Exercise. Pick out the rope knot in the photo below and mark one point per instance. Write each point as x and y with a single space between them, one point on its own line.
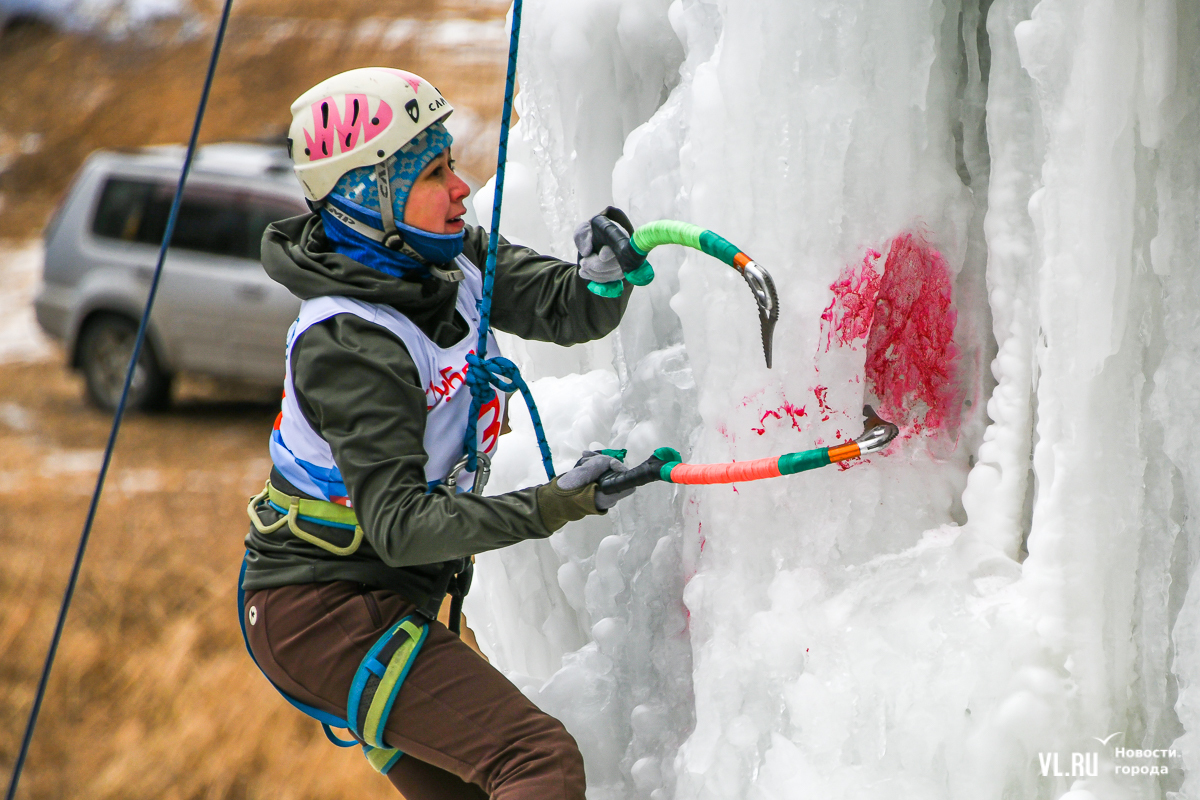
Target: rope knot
479 379
499 372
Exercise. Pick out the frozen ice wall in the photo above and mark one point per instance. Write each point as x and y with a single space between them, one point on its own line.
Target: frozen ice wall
1005 595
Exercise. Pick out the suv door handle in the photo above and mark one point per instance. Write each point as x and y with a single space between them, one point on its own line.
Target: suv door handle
144 274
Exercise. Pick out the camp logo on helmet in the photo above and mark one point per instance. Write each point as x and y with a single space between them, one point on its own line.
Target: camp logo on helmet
345 126
413 110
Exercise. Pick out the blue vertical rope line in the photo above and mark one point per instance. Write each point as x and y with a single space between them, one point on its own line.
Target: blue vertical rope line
120 413
485 373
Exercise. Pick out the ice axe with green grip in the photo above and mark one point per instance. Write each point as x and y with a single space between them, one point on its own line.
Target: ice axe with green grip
666 463
631 252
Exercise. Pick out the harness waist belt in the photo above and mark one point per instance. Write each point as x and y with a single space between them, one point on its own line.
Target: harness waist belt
295 509
315 510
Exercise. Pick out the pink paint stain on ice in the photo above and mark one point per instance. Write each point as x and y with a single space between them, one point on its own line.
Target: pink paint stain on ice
902 312
848 316
911 355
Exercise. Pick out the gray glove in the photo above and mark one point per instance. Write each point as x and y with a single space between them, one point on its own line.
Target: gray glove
589 469
601 266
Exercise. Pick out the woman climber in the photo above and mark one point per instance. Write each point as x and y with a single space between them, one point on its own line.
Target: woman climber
367 526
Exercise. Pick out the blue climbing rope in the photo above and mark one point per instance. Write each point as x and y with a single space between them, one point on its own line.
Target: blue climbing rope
485 373
120 412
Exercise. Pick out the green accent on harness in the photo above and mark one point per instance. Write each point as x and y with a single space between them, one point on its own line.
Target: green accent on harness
315 510
389 684
719 247
319 511
619 455
666 231
791 463
381 758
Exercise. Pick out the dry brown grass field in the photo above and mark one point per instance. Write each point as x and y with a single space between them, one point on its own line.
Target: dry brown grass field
153 694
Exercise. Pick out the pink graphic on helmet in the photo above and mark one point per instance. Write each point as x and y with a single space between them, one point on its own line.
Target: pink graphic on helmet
341 131
411 79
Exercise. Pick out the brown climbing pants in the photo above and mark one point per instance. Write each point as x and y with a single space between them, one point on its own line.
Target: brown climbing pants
466 731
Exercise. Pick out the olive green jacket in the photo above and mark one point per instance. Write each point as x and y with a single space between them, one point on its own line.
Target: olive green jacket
359 389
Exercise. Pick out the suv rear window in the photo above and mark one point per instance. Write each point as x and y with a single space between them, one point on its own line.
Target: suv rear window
222 223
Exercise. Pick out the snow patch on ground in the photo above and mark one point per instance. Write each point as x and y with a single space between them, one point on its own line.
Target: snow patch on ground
20 272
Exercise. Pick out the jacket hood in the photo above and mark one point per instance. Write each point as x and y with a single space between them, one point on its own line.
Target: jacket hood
297 254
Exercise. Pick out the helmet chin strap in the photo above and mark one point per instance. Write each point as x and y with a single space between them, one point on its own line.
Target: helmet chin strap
391 237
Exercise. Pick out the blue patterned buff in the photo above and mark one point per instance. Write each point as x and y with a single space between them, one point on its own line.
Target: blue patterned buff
358 185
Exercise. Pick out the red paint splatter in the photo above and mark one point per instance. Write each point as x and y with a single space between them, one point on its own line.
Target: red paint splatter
911 353
820 392
763 421
907 318
793 414
848 316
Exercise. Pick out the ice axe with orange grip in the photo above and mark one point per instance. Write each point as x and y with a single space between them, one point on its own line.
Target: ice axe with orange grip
667 465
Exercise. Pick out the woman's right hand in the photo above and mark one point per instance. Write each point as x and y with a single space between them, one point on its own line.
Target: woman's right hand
605 252
573 495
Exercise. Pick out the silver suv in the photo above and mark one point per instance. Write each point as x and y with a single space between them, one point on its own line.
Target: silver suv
216 312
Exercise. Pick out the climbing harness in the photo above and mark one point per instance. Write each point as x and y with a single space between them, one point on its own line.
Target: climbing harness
295 509
333 515
666 463
373 691
385 666
631 252
139 341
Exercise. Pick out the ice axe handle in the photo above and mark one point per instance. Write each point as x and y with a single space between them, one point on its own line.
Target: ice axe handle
607 232
648 471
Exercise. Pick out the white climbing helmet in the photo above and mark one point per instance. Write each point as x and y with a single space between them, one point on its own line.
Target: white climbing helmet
356 119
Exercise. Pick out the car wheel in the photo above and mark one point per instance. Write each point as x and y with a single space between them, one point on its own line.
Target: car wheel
105 347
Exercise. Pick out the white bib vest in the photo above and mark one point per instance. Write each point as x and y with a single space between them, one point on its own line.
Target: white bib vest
306 460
